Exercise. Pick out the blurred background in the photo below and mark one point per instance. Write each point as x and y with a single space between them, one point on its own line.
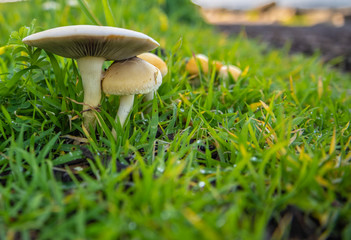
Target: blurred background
306 26
240 4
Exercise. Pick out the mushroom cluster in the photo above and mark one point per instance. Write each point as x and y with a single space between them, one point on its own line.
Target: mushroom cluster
138 75
127 78
200 62
91 46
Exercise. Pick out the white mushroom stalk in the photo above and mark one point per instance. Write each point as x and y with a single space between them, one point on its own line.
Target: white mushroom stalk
127 78
90 71
125 106
149 96
91 46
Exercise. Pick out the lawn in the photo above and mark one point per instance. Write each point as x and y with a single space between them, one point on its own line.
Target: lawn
264 157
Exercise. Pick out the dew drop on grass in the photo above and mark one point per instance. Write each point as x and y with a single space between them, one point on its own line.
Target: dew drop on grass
201 184
161 169
220 222
165 215
254 159
132 226
78 169
207 171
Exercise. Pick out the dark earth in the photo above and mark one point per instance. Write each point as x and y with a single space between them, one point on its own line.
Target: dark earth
333 43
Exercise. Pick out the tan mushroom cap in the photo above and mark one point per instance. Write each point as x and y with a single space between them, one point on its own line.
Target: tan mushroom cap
97 41
217 64
156 61
130 77
192 68
230 69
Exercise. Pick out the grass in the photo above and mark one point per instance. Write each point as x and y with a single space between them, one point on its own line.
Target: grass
267 156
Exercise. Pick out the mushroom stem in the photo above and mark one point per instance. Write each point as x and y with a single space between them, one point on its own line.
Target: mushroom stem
125 106
90 71
148 97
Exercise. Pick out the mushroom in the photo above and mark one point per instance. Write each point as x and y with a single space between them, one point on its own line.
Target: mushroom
91 46
127 78
229 69
192 65
217 64
157 62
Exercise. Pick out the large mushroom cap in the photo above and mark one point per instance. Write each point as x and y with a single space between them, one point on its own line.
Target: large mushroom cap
98 41
130 77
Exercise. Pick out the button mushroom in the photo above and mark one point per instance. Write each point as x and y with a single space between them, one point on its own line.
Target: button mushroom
200 62
192 66
127 78
234 71
91 46
157 62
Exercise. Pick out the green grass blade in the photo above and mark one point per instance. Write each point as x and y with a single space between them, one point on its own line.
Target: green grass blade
110 20
88 12
48 147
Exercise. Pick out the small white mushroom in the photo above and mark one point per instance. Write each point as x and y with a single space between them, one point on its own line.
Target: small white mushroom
127 78
91 46
227 70
157 62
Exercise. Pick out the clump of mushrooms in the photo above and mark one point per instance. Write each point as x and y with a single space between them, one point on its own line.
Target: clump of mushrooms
200 62
91 46
127 78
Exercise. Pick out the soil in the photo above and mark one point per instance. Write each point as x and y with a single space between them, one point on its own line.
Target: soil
333 43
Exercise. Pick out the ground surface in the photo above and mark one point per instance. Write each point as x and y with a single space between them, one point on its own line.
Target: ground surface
266 156
332 42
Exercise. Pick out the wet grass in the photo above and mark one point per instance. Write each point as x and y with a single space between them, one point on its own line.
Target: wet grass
267 156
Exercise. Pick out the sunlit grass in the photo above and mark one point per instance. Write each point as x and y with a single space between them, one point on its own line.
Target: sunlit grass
215 158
